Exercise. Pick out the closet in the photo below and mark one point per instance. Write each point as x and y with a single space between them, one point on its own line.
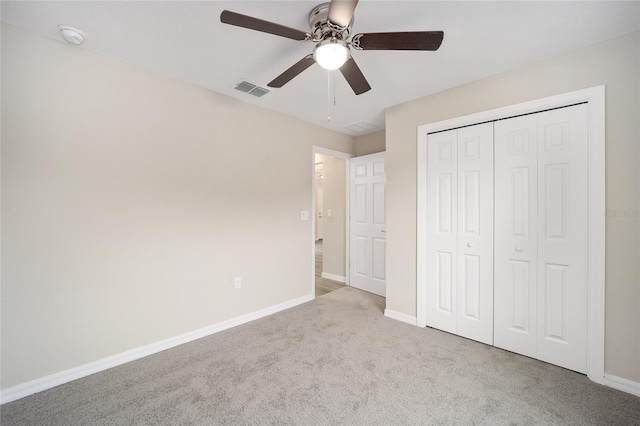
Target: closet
507 234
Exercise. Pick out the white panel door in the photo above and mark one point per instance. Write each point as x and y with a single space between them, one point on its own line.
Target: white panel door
541 238
475 233
442 230
563 187
460 232
516 234
367 245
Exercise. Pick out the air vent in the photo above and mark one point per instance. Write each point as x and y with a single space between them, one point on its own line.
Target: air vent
245 86
250 88
259 91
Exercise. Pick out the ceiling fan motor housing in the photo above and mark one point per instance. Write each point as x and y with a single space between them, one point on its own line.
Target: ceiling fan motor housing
322 29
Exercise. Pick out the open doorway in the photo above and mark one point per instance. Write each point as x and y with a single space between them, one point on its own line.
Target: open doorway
330 226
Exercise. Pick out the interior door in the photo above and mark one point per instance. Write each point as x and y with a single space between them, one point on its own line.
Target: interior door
460 231
442 230
516 229
475 233
563 182
541 242
367 225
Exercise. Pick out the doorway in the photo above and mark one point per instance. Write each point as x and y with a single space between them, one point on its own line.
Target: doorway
330 227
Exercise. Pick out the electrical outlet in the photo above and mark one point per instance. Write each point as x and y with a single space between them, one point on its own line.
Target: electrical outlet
237 282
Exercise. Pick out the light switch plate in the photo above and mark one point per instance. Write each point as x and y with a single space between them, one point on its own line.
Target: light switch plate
304 215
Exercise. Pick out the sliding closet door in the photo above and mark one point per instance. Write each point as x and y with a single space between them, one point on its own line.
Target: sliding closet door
460 232
442 230
475 233
541 236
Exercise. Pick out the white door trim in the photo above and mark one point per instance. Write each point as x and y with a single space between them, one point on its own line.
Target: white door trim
344 156
595 97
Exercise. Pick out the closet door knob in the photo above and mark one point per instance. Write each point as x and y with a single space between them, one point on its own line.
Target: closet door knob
518 249
469 245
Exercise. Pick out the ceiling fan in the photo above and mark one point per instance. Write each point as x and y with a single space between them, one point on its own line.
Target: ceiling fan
331 31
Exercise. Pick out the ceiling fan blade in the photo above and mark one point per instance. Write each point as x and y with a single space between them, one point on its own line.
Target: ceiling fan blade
341 12
354 77
292 72
415 40
244 21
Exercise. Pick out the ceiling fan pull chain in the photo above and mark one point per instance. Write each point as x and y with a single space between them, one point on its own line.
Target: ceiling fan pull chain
334 93
329 96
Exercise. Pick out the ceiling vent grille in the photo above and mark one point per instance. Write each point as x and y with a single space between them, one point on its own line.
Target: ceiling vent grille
250 88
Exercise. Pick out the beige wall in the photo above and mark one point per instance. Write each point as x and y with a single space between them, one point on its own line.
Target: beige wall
614 64
334 228
370 144
131 200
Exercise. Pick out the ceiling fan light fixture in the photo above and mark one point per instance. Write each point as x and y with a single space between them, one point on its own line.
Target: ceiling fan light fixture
331 54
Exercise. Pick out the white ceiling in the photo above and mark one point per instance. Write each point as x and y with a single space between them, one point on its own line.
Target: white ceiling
185 40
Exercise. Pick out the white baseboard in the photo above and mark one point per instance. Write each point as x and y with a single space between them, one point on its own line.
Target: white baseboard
334 277
38 385
624 385
398 316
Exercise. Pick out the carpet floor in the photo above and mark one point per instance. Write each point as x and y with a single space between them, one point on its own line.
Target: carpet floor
335 360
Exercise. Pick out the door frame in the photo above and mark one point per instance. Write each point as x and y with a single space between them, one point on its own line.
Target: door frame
595 98
346 157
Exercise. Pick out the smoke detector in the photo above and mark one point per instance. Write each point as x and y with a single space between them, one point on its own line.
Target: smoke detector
71 35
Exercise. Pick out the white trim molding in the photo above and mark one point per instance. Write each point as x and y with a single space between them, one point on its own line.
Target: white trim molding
621 384
38 385
399 316
595 98
332 277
